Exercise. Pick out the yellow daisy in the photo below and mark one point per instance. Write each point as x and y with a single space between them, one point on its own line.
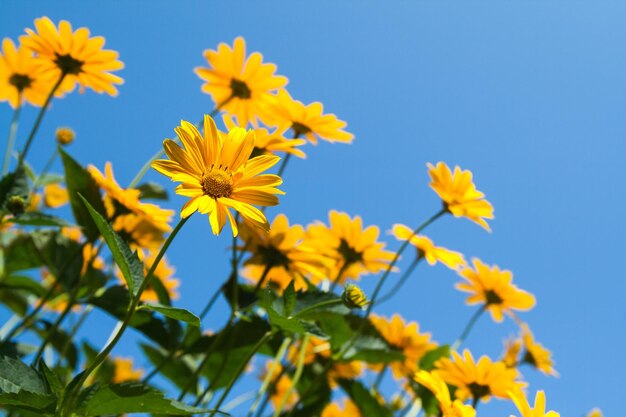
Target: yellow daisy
536 354
477 380
596 412
218 175
349 409
407 338
73 55
539 410
55 195
305 121
435 384
426 248
20 77
459 194
355 250
124 372
493 288
239 85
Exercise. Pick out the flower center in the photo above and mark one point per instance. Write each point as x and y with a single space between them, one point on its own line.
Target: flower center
20 81
529 359
492 298
273 256
217 184
300 129
240 89
348 253
479 390
68 65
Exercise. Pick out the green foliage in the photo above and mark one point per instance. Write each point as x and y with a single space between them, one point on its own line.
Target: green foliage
367 404
152 191
35 218
23 387
173 313
13 184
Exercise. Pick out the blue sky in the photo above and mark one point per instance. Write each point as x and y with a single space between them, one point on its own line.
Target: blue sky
530 96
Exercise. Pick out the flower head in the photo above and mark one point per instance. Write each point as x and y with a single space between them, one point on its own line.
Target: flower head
596 412
334 409
435 384
55 195
536 354
73 55
65 136
267 143
521 402
354 297
427 249
239 85
123 371
305 121
217 174
459 194
494 289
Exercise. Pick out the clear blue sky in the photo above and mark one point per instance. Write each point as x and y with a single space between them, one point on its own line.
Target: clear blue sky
530 96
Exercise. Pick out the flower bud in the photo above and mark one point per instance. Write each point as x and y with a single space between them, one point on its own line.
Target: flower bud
65 136
16 205
353 297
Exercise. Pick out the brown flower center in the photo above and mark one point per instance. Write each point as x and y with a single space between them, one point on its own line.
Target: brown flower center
20 81
68 64
300 129
492 297
240 89
349 254
478 390
217 184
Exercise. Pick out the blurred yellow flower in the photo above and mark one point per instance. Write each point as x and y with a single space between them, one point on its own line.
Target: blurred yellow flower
281 383
407 338
305 121
239 85
493 288
334 409
55 195
355 250
478 380
435 384
74 55
217 174
20 77
65 135
282 256
596 412
459 194
512 349
427 249
536 354
521 402
124 372
267 143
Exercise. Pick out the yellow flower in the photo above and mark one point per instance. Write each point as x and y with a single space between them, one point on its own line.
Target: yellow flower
143 224
477 380
438 387
267 143
65 136
459 194
354 297
493 288
75 55
284 255
239 85
535 354
55 195
521 402
308 121
427 249
405 337
123 371
355 250
595 413
512 349
20 77
280 386
349 409
217 174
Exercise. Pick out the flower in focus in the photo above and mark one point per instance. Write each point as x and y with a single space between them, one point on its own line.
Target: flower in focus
334 409
539 410
426 248
478 380
459 194
124 372
217 174
20 77
65 136
494 289
354 297
355 250
435 384
282 256
281 383
55 195
142 224
305 121
61 52
405 337
239 85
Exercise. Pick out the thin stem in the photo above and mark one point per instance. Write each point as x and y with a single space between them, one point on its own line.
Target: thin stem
263 278
31 136
241 368
379 379
212 301
468 328
235 274
45 170
283 165
318 305
401 281
337 279
73 332
296 375
280 354
12 134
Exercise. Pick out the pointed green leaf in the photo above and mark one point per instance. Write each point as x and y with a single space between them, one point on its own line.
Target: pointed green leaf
428 360
368 405
289 299
16 376
173 313
35 218
54 382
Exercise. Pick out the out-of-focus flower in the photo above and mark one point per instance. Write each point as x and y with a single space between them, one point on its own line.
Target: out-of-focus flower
305 121
535 354
55 195
20 77
596 412
65 136
217 175
459 194
435 384
354 297
74 55
512 349
124 372
16 204
281 383
521 402
407 338
494 289
478 380
239 85
335 409
427 249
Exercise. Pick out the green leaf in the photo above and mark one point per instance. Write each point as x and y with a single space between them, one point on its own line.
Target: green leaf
152 190
428 360
173 313
367 404
29 401
13 184
178 370
22 283
128 262
54 382
129 398
15 376
49 178
309 299
80 181
35 218
289 299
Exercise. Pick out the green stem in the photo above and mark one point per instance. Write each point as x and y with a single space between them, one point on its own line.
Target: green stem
379 379
286 159
318 305
337 279
73 332
212 301
241 368
101 357
296 375
280 354
401 281
12 134
31 136
469 327
45 170
235 275
263 278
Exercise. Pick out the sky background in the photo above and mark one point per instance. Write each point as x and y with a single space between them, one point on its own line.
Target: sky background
530 96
